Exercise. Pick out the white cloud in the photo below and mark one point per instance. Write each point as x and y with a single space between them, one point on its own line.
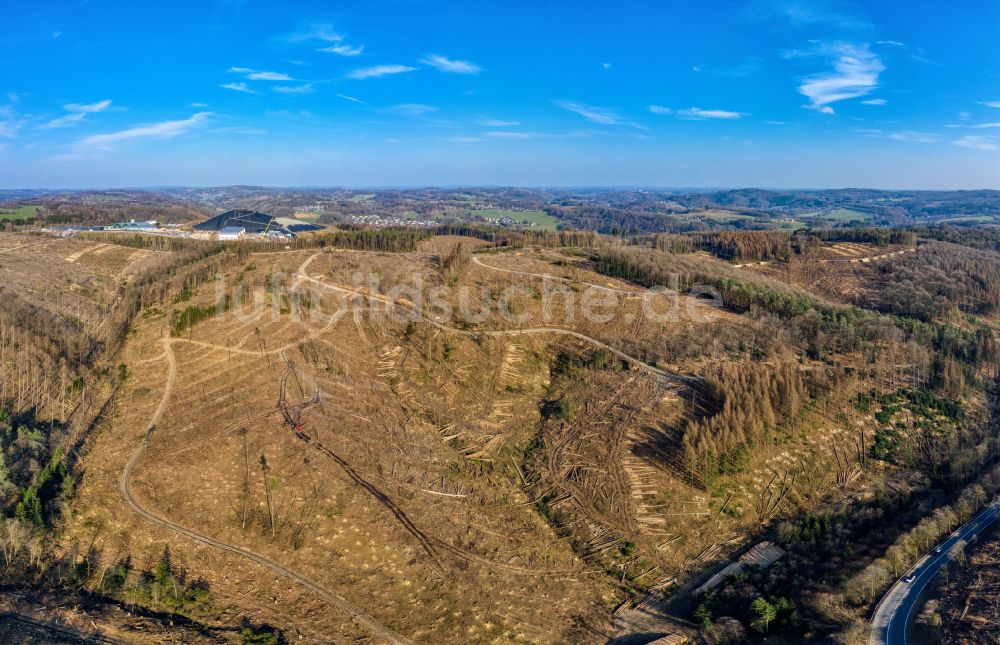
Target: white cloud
908 136
77 112
9 124
452 66
88 108
411 109
161 130
490 122
198 105
985 126
514 134
605 65
322 32
976 143
912 136
379 70
255 75
238 87
343 50
874 102
593 114
805 13
353 99
855 74
64 121
992 104
306 88
697 113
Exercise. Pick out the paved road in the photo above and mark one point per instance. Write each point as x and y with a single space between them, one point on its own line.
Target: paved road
892 615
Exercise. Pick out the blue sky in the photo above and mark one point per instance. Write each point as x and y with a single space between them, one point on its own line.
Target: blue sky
772 93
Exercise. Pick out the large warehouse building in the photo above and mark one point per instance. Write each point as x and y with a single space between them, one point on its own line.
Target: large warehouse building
254 224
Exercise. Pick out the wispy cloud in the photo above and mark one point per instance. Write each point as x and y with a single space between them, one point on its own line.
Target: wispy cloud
353 99
874 102
976 143
255 75
77 113
516 134
241 130
161 130
992 104
855 74
238 87
411 109
9 123
604 116
450 65
323 32
490 122
808 13
379 70
907 136
912 136
343 50
306 88
697 113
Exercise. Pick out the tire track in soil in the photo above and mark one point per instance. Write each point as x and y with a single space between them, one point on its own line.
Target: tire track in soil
365 620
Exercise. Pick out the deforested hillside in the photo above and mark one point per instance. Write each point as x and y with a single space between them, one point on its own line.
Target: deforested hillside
942 280
430 433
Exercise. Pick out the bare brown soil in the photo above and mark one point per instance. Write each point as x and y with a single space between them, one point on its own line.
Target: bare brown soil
408 490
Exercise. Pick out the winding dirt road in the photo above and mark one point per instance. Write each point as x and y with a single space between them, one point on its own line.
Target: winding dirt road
365 620
527 331
546 276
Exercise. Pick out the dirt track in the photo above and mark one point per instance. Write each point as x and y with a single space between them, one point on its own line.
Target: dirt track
367 621
665 374
378 629
545 276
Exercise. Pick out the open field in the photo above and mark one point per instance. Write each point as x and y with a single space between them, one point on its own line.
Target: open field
24 212
845 215
537 218
967 219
